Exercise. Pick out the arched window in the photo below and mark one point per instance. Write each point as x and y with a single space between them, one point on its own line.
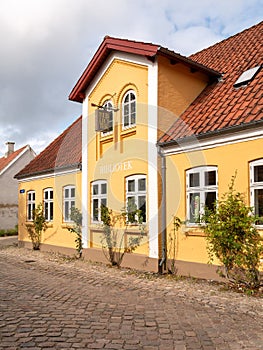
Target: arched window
256 189
31 204
68 202
109 107
201 191
136 197
48 204
129 109
98 199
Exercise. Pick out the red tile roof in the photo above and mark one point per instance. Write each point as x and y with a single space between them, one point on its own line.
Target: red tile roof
148 50
221 105
63 153
5 161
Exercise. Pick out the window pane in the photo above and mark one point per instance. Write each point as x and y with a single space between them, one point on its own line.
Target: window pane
142 184
66 193
95 189
51 210
131 186
51 194
29 212
33 196
258 173
46 210
104 202
126 120
126 110
259 202
103 188
132 96
46 194
194 207
133 118
131 209
73 193
29 196
210 178
66 211
210 200
194 179
95 209
142 207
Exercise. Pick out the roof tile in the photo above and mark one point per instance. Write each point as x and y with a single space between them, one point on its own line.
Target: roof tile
5 161
220 105
63 152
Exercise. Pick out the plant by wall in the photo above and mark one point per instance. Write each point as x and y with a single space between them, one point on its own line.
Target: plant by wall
114 229
37 227
172 241
76 228
233 239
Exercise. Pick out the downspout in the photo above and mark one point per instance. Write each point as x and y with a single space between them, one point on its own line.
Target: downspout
163 262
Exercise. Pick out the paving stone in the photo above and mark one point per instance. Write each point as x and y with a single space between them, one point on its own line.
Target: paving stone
59 303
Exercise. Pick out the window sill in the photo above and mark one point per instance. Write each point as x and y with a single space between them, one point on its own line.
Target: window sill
67 224
128 131
107 137
192 231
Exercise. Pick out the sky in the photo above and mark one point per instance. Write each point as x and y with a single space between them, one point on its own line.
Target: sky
47 44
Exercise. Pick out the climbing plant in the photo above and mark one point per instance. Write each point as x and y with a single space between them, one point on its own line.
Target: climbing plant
114 227
37 227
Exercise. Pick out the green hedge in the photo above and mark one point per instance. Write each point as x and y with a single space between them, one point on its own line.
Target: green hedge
11 232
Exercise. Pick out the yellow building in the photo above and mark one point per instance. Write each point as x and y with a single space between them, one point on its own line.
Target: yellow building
153 122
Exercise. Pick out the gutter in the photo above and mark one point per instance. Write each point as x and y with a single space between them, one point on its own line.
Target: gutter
77 166
163 262
213 133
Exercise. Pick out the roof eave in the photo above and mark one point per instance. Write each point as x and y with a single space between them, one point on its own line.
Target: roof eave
223 131
107 46
177 58
76 166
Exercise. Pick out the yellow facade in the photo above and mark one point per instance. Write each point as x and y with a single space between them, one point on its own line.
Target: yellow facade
229 159
56 233
123 152
122 166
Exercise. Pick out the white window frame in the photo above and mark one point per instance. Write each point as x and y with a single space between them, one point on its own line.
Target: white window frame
201 190
255 185
31 204
99 196
49 204
127 110
69 201
137 193
108 106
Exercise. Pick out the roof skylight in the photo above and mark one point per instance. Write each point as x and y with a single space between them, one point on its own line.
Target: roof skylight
247 76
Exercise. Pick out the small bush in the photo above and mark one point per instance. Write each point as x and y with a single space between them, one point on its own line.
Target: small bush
114 231
37 227
233 239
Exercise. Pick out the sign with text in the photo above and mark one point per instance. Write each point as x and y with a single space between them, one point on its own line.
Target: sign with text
103 119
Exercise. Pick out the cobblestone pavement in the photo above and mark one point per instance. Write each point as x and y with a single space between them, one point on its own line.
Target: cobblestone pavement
50 302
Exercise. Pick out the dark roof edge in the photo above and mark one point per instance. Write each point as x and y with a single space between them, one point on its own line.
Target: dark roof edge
77 166
188 61
223 131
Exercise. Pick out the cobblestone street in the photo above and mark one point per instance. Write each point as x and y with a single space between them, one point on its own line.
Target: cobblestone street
50 302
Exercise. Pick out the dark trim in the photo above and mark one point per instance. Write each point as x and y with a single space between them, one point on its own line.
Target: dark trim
209 134
77 166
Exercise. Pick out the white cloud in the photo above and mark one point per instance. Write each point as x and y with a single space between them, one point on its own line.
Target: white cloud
46 44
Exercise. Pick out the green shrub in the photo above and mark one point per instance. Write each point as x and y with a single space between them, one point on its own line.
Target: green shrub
37 227
76 228
233 239
114 229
